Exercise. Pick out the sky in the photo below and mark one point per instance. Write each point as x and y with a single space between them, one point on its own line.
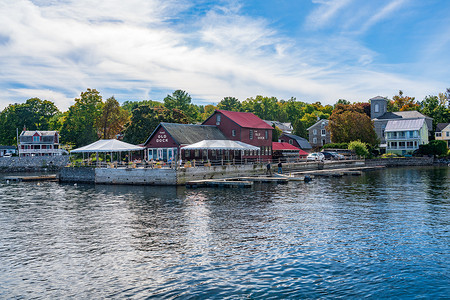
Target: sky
313 50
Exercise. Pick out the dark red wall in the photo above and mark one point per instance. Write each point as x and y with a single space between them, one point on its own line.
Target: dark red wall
242 134
286 140
161 139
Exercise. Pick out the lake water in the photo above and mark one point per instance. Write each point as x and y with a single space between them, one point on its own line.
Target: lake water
381 235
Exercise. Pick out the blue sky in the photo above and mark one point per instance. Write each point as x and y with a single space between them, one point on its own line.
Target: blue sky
313 50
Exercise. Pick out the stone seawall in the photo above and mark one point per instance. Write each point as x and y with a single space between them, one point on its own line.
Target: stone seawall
215 172
135 176
400 161
77 174
33 163
140 176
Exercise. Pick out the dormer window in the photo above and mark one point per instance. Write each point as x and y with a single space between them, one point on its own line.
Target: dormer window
36 138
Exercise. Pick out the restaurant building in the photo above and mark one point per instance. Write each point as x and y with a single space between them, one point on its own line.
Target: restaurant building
167 139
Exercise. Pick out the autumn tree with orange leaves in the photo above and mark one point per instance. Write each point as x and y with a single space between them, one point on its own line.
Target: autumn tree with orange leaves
402 102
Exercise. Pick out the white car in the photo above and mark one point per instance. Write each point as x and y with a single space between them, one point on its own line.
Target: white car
316 156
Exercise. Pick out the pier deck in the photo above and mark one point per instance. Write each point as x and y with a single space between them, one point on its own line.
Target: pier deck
31 178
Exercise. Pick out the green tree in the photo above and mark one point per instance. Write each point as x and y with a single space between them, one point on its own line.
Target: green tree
79 126
208 110
34 114
276 133
267 108
343 101
131 105
300 129
230 103
112 119
182 101
434 107
145 119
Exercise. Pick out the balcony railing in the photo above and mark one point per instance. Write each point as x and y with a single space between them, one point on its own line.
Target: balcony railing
41 151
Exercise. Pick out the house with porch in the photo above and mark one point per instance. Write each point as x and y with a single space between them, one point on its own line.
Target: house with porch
244 127
404 136
380 117
39 143
442 133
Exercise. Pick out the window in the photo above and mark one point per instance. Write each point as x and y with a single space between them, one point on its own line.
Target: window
394 145
410 144
401 145
218 117
251 134
411 134
267 134
324 132
438 134
291 141
233 132
314 140
314 131
377 108
447 133
36 138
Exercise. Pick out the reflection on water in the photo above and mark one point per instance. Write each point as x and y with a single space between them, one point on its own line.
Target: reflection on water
384 234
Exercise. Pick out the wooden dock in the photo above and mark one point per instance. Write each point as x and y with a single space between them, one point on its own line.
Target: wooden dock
357 171
241 182
30 178
219 183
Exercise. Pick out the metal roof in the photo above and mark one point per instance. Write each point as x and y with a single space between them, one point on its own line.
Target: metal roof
410 114
187 134
404 125
302 142
245 119
40 132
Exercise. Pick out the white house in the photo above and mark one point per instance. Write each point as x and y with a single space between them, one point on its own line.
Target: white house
39 143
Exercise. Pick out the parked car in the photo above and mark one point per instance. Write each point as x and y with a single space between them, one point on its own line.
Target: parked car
337 156
316 156
328 155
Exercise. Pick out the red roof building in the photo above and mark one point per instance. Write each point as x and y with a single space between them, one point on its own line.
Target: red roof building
245 127
286 150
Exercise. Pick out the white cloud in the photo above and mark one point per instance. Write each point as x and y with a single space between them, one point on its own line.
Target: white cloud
325 13
137 49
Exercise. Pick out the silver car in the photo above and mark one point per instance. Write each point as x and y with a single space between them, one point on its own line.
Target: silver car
316 156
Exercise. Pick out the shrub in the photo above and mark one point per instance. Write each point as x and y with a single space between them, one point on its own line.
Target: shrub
389 155
335 146
359 147
435 147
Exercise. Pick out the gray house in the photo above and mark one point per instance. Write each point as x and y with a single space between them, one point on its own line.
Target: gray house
380 117
318 134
